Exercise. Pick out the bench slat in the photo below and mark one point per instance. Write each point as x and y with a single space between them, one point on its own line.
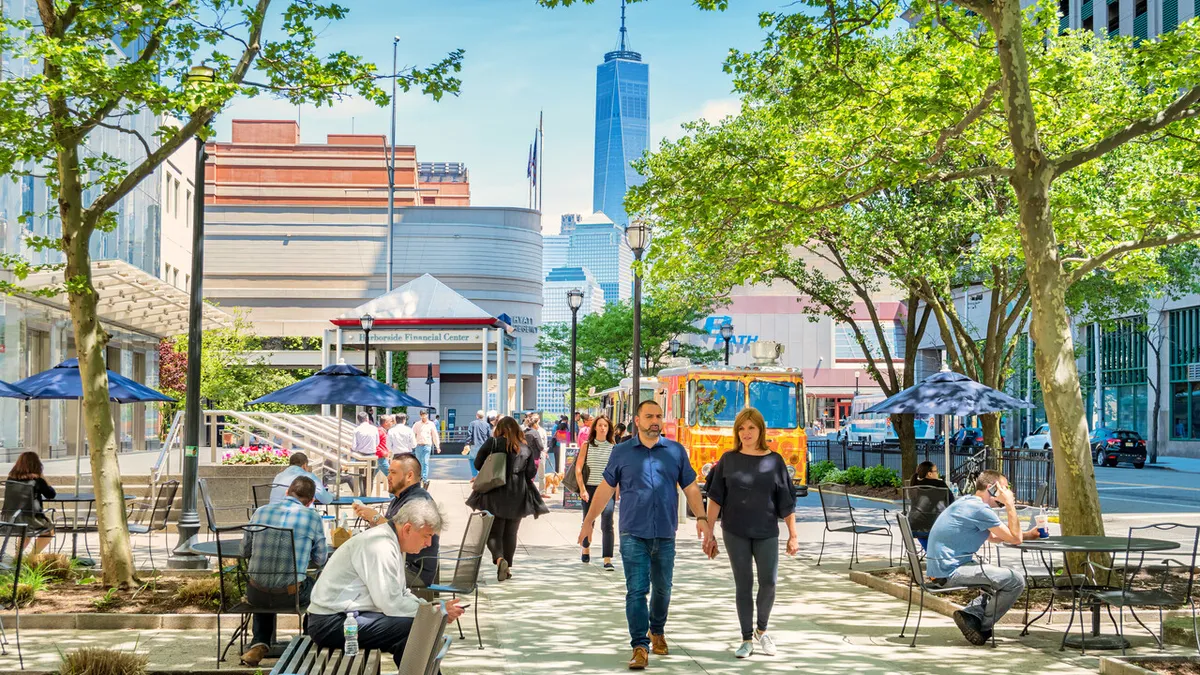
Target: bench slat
372 661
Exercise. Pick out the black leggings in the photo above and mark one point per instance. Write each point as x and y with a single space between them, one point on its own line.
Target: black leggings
502 540
606 521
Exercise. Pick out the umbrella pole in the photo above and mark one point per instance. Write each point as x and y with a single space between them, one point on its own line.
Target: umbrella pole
946 442
78 453
338 450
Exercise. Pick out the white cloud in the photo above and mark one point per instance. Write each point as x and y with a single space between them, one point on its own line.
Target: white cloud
712 110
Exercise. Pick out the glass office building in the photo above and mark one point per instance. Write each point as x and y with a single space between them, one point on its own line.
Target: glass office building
622 129
598 245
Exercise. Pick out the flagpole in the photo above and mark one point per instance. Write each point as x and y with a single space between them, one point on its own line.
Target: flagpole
540 184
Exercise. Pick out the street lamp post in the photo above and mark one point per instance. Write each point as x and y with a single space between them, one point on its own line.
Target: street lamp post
429 382
367 322
674 345
637 235
182 556
856 375
727 335
574 301
391 201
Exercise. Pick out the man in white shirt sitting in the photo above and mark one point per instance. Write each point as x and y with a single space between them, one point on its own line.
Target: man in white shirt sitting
297 467
400 438
361 577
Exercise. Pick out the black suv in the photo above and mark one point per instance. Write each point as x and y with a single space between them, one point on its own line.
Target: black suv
1110 446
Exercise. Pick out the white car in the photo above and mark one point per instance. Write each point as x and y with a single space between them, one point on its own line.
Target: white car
1039 439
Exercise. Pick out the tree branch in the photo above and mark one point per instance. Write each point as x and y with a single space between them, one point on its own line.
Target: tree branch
1120 249
985 101
1180 109
131 132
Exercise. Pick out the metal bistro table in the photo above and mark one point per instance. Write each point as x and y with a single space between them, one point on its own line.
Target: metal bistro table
1064 545
74 528
230 548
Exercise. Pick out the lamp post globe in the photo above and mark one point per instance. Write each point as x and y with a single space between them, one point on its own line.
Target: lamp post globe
727 335
674 346
637 235
367 322
574 301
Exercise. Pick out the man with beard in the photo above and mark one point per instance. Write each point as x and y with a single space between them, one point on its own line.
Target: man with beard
404 477
647 468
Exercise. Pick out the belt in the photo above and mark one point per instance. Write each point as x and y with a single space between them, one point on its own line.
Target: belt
289 590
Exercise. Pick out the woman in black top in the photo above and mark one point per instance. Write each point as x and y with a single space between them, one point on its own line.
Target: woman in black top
514 500
28 470
927 474
750 488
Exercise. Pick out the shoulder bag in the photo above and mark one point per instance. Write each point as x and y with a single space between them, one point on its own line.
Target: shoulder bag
494 472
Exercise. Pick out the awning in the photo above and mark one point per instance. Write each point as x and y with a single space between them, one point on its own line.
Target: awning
133 299
422 302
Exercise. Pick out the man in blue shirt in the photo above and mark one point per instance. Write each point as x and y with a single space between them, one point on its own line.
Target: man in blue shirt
647 468
278 562
297 466
955 538
478 431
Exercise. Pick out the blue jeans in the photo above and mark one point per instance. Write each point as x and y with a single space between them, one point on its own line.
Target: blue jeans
649 565
551 461
471 455
382 464
423 452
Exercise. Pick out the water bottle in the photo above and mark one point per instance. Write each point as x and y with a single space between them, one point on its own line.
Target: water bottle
350 631
1043 530
954 490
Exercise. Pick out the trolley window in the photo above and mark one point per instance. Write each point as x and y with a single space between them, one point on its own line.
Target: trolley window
778 402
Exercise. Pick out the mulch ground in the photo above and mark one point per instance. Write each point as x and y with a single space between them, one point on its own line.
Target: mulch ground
155 597
1170 668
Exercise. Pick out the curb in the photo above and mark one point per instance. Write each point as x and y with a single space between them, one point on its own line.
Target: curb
1120 665
137 621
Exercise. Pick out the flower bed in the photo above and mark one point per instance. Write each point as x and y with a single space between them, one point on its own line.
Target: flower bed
256 454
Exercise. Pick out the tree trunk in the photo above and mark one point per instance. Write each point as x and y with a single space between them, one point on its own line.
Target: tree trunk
907 433
1050 327
90 341
991 438
1155 429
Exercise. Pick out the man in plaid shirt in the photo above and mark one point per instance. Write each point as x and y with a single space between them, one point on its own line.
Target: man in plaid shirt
279 562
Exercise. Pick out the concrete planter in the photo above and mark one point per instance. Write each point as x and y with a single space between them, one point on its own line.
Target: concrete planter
229 485
287 622
1120 665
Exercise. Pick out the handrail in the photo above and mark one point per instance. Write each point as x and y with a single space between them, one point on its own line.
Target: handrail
164 452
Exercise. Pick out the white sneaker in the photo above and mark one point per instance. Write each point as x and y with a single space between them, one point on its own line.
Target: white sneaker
745 650
765 643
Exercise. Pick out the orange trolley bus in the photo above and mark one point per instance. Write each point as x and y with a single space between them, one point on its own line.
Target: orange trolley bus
700 403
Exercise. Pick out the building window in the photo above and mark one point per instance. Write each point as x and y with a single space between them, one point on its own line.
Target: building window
1114 17
175 195
187 282
1184 347
167 197
188 208
1123 374
1089 25
846 342
428 200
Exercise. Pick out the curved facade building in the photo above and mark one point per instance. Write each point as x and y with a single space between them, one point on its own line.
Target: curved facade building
294 268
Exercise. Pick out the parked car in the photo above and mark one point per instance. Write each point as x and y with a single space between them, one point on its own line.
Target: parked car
1039 439
1111 446
967 437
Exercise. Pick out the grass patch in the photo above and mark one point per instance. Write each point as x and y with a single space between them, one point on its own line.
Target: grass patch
54 566
98 661
207 592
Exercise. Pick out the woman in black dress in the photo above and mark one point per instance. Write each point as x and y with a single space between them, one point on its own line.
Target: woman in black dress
28 470
514 500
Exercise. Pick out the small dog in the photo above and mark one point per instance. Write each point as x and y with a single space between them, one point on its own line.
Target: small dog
553 480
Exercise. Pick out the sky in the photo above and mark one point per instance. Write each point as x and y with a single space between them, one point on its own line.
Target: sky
522 58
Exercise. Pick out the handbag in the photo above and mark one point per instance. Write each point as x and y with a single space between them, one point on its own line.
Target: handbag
569 480
493 473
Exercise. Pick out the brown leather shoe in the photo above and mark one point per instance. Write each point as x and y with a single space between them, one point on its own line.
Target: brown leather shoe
254 655
640 659
658 643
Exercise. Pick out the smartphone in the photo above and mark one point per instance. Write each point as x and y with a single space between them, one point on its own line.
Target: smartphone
465 606
994 490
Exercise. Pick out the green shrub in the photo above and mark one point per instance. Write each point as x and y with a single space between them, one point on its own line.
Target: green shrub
98 661
836 476
55 566
818 472
107 602
855 475
206 592
25 592
882 476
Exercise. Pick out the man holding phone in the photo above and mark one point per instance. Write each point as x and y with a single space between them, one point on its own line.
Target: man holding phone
958 534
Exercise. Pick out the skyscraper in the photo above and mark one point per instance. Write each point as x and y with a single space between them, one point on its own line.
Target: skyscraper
622 127
598 245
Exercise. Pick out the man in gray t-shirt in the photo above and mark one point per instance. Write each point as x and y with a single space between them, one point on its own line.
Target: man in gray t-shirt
958 534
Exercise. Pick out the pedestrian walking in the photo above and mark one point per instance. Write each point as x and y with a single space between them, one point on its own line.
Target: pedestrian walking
382 455
647 469
585 427
478 431
749 488
589 473
513 501
426 434
537 444
401 439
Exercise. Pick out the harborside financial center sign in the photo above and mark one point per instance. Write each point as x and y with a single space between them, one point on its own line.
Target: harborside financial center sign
384 337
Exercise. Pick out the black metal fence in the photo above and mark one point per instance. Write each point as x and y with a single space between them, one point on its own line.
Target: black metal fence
1029 472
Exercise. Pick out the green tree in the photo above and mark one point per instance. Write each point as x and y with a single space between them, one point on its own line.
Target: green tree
82 81
604 343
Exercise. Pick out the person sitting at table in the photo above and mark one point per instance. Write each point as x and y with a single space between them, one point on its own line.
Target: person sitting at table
28 470
927 474
958 534
404 482
297 466
271 583
360 578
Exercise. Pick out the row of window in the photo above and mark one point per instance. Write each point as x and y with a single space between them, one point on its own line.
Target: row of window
173 203
171 276
1141 16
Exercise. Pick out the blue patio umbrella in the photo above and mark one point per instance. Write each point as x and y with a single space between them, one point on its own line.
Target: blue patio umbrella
63 382
339 385
947 393
9 391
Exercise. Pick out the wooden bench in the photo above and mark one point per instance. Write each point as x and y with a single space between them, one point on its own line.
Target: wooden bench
304 657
